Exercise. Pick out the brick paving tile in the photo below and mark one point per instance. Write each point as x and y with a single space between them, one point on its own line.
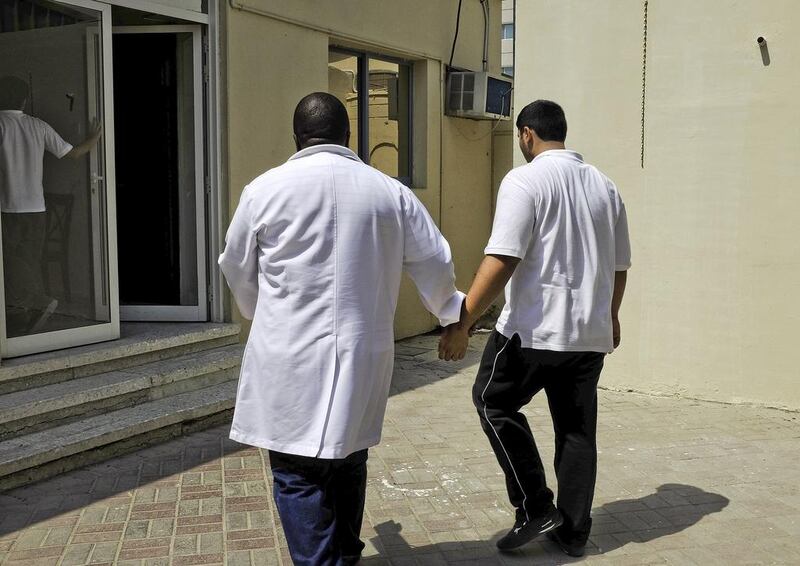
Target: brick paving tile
202 528
96 537
199 520
146 543
251 543
198 559
679 482
138 553
42 552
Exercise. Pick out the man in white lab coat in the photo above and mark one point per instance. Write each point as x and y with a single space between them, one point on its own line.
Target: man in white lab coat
314 256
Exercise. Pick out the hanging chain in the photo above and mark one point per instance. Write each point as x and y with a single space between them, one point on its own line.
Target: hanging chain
644 75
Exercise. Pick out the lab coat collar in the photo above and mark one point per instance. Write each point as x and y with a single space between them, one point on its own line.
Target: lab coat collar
326 147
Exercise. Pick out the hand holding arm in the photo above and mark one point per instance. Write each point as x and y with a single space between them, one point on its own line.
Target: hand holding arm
493 275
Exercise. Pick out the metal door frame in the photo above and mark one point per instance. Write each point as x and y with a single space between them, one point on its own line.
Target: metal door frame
197 312
47 341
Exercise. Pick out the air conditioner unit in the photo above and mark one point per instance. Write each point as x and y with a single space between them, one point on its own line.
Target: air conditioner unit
478 95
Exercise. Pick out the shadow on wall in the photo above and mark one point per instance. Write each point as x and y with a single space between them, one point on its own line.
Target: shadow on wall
671 509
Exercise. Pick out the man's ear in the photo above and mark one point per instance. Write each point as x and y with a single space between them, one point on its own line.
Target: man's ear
528 132
347 139
296 142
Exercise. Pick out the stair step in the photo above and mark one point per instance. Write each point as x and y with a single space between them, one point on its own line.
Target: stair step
140 343
41 448
36 409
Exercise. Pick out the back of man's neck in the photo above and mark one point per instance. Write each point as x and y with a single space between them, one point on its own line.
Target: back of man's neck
549 146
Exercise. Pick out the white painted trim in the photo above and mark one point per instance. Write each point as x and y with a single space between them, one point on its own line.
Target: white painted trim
111 169
161 9
197 312
188 28
46 341
201 228
217 197
69 338
3 343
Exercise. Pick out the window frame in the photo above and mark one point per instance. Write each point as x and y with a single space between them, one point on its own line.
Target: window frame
363 58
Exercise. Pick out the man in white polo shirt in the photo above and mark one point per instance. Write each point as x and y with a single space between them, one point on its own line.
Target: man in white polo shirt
560 247
23 141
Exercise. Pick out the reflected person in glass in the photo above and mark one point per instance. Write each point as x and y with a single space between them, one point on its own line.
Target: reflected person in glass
23 142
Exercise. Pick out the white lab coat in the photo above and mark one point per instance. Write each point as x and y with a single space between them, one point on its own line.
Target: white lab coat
314 255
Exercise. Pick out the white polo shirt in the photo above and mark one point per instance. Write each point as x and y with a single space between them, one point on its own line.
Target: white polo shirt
566 222
23 141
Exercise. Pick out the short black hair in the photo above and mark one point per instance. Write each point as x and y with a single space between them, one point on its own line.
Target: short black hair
13 92
546 118
320 118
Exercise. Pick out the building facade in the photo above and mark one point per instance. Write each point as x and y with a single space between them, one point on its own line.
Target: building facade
507 41
195 98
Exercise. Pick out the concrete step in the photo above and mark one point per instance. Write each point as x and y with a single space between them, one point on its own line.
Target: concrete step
60 403
32 457
140 343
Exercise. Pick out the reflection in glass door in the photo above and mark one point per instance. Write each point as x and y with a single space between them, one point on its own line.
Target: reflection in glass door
56 191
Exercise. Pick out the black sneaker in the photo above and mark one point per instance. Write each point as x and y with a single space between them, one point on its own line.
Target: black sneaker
524 532
574 549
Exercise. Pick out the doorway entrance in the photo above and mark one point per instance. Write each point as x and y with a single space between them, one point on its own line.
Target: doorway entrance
159 173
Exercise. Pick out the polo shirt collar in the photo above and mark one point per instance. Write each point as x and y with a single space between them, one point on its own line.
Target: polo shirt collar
326 148
562 153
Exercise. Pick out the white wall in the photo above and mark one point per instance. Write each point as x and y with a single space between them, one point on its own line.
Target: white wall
713 305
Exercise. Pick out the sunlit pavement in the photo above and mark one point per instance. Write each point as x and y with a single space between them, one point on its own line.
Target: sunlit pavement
679 482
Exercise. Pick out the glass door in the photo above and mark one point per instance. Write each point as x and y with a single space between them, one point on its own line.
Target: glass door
57 191
158 103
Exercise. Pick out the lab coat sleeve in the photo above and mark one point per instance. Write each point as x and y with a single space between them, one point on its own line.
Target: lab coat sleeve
427 260
239 260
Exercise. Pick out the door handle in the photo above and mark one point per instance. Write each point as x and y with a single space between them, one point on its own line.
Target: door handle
95 180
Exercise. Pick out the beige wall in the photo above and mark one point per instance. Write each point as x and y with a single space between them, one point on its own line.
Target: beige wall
712 306
278 51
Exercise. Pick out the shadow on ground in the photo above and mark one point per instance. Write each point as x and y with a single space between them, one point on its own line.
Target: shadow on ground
416 366
670 510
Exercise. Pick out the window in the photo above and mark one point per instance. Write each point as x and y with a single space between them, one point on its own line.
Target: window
508 31
508 71
377 94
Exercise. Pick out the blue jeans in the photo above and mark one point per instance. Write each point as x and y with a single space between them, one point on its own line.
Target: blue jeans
321 505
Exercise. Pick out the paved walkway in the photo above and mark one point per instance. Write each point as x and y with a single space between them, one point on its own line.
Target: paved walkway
680 482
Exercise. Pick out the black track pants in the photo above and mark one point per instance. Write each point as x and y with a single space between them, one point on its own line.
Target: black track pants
508 378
